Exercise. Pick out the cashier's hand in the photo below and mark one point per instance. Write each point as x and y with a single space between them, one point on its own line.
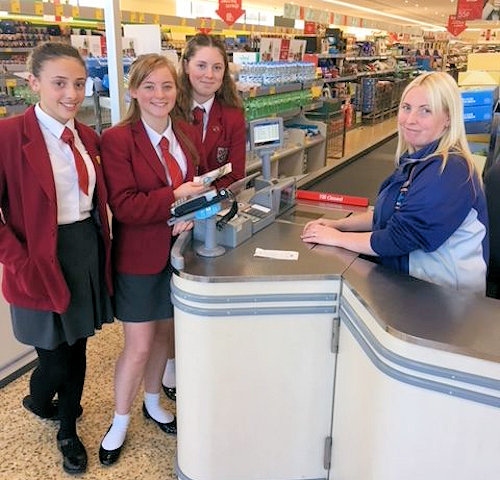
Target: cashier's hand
317 232
180 227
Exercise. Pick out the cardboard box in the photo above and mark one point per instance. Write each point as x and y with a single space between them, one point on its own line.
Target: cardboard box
483 61
479 96
477 127
475 77
478 114
478 137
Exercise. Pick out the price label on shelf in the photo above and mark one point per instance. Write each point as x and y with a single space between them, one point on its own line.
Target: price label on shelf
11 83
99 13
15 6
3 111
39 8
75 12
59 10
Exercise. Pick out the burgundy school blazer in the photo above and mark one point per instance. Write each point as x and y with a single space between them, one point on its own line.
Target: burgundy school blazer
225 141
32 276
140 198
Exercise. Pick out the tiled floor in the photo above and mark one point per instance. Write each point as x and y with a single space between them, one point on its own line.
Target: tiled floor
27 444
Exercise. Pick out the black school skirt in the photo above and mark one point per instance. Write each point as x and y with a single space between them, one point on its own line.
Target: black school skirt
81 255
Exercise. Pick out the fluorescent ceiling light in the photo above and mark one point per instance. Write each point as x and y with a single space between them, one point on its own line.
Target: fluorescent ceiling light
388 15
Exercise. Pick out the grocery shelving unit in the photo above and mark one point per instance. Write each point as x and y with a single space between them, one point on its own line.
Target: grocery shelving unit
302 152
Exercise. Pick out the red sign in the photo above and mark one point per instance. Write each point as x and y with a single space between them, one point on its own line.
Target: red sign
469 9
284 49
205 25
229 11
310 28
455 26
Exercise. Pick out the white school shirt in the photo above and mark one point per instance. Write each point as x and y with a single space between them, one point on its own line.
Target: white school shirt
72 204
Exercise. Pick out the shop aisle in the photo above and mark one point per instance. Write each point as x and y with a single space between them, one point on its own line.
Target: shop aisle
27 444
360 138
359 173
363 176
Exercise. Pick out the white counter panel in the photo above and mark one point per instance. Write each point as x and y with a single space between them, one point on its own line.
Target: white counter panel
254 388
412 419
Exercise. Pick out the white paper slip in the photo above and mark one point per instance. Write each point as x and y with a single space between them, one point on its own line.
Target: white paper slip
276 254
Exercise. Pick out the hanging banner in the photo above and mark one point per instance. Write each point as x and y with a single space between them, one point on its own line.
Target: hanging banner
469 9
455 26
290 10
229 11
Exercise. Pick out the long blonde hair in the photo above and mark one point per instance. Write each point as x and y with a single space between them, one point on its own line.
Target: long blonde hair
443 96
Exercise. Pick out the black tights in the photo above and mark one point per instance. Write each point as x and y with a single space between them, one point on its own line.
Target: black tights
61 371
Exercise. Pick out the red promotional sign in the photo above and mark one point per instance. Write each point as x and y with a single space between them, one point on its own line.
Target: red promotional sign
455 26
469 9
229 11
310 28
284 49
205 26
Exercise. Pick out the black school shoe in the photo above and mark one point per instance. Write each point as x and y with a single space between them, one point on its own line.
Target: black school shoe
170 428
170 392
109 457
74 455
52 413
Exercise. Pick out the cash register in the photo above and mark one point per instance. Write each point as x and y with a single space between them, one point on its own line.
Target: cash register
268 197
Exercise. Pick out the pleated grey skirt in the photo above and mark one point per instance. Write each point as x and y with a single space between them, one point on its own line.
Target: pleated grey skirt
80 254
142 298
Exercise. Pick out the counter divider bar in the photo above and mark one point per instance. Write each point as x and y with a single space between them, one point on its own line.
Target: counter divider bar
182 476
254 298
375 350
252 311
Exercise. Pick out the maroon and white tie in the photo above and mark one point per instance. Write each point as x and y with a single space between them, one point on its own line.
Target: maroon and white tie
81 169
173 168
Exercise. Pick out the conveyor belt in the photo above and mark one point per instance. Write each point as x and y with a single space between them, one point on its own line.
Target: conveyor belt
363 176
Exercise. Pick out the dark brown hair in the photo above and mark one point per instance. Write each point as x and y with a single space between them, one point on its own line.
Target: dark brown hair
227 94
47 51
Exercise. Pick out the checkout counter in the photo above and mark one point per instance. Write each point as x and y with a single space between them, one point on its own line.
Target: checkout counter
329 367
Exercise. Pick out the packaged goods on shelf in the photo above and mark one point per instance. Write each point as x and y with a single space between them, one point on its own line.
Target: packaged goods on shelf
276 73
